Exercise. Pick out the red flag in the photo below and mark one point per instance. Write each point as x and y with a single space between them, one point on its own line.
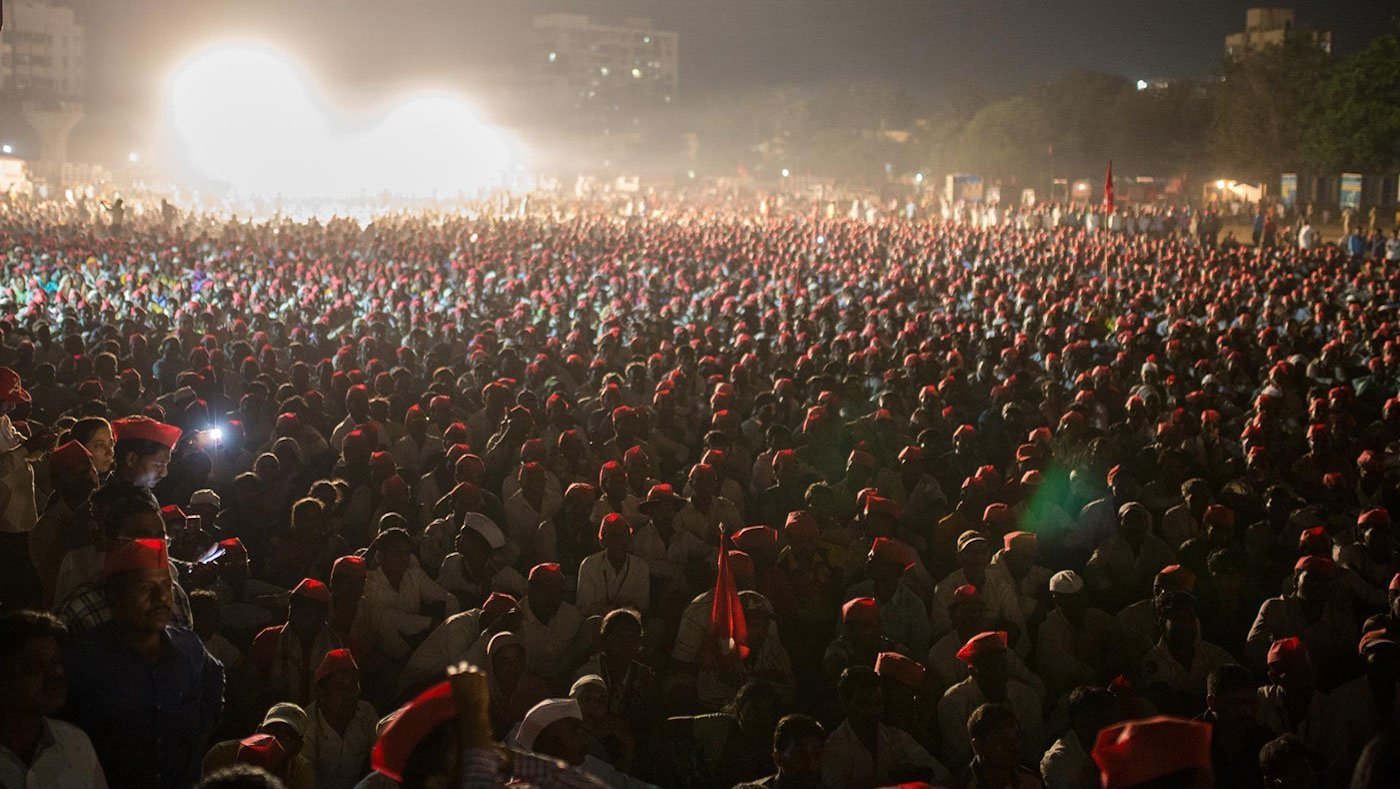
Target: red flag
728 638
1108 189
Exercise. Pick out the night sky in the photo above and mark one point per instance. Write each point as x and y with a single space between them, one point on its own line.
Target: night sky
927 46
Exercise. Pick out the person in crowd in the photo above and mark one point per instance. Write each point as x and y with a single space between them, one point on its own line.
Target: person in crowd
36 749
1025 476
145 690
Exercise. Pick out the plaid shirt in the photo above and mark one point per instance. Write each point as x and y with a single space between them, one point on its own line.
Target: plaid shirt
86 607
493 767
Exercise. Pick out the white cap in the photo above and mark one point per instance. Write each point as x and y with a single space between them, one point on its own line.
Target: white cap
288 713
540 716
487 528
205 496
585 681
1066 582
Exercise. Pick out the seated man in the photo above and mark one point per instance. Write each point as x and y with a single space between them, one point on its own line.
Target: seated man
988 680
145 691
36 750
862 751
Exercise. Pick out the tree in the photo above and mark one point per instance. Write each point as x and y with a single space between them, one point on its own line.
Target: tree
1260 104
1355 124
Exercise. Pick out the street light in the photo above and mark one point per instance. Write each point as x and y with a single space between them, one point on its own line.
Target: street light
1142 84
918 178
133 157
7 148
786 172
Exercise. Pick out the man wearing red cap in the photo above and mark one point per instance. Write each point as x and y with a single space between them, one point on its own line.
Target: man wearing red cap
145 690
613 577
673 555
974 556
1310 612
340 725
277 746
416 448
863 751
1290 702
143 452
988 680
549 624
18 584
903 615
706 513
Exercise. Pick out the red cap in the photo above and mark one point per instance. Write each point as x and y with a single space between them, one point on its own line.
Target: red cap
313 590
261 750
1133 753
497 603
1316 564
349 567
141 427
11 391
233 547
171 513
967 593
614 520
879 505
546 570
71 458
800 523
998 515
901 669
1289 651
1181 577
741 566
432 708
147 554
1373 517
1394 583
982 644
755 539
612 468
1220 515
336 660
911 454
893 551
861 609
1315 538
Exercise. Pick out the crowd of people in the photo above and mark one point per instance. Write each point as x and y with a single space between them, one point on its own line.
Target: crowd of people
692 498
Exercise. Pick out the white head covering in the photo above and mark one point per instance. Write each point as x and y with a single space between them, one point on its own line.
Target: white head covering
586 680
487 528
540 716
1066 582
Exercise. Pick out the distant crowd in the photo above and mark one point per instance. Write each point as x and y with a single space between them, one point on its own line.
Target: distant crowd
696 497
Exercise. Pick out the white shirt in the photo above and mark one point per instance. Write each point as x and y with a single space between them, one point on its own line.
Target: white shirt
846 762
1067 766
602 588
960 700
549 646
669 560
402 608
64 758
453 640
339 760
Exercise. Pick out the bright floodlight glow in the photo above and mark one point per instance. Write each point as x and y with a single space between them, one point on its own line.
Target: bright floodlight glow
7 149
1142 84
133 157
250 118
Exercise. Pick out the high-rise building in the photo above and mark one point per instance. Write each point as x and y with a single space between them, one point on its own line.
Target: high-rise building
1266 27
41 52
605 63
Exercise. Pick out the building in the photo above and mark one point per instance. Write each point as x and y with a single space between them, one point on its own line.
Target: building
595 62
41 52
41 84
1266 27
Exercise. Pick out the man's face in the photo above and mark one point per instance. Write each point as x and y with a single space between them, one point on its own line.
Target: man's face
1001 747
32 681
145 471
143 600
287 736
1236 707
617 536
803 759
339 693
